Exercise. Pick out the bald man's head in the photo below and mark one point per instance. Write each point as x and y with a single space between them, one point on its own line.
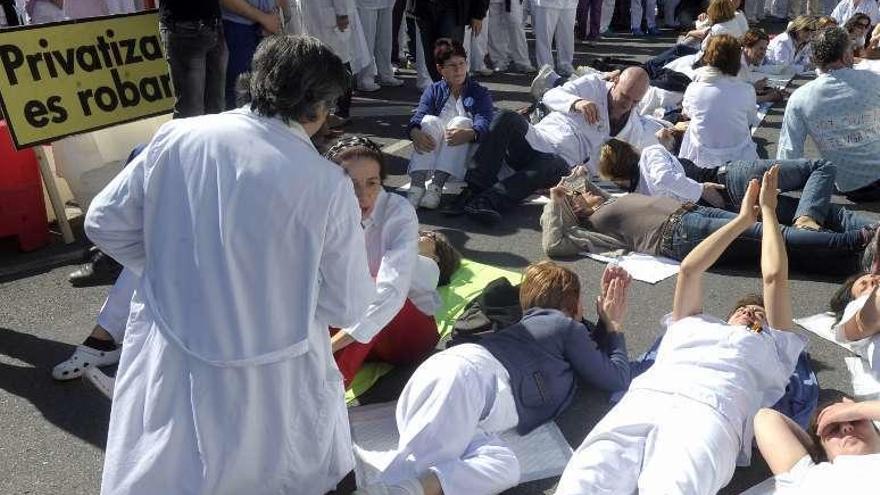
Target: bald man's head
628 91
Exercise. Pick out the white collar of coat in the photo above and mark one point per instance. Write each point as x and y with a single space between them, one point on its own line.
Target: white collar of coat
378 210
709 74
294 127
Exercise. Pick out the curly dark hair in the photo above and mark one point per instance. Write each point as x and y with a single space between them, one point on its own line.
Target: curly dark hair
446 48
293 77
753 36
830 46
354 147
747 300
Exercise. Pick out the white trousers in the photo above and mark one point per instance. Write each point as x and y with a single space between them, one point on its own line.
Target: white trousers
377 31
654 443
477 47
450 159
607 14
636 12
507 38
439 420
114 313
547 22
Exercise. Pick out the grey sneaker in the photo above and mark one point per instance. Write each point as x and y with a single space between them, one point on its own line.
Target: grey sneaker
431 197
415 195
870 262
543 82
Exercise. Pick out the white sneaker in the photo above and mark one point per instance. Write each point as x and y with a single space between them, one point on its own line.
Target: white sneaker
431 198
485 72
565 70
543 82
367 86
583 70
424 83
83 358
390 81
415 195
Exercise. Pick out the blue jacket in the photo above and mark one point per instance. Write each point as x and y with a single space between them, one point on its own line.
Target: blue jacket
543 352
476 100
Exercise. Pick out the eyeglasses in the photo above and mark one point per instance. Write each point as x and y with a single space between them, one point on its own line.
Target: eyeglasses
459 65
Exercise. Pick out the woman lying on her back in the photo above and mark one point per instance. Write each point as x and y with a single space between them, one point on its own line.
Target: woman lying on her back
584 218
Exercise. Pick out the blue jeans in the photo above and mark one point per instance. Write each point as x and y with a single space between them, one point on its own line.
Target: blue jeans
814 177
241 41
829 251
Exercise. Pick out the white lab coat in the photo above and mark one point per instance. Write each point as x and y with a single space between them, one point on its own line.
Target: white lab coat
850 474
686 423
391 234
845 9
722 110
782 51
661 174
869 65
375 17
319 20
226 383
448 416
568 134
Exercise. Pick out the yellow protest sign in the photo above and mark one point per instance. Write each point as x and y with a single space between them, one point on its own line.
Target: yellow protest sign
70 77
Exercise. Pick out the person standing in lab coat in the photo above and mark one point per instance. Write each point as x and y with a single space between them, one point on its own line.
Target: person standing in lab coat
376 20
226 383
554 19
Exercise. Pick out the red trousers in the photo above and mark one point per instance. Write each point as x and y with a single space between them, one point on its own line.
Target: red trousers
406 339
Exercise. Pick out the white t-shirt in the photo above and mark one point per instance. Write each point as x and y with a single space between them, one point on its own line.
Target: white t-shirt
848 474
730 368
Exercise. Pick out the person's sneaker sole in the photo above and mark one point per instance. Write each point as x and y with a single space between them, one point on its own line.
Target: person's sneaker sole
484 216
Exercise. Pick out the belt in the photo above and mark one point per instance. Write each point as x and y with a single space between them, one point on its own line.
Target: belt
670 225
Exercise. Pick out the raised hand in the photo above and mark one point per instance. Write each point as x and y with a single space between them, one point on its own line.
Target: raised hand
749 209
611 305
712 195
768 197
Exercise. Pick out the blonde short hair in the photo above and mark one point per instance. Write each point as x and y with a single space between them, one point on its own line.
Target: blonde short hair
550 286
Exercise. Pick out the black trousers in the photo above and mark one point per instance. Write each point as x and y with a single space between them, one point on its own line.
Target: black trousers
435 22
506 143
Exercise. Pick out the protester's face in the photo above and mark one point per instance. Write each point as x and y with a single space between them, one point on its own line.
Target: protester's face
454 70
750 315
850 438
755 54
864 285
625 94
364 173
427 244
584 204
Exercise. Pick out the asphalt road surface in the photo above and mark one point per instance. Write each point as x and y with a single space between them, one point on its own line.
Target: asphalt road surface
52 434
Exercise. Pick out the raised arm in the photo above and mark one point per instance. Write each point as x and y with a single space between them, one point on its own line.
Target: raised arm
781 441
688 300
774 259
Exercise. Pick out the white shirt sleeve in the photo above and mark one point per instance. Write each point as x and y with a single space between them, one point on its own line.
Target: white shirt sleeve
394 277
665 176
839 12
561 98
340 7
793 134
115 220
345 285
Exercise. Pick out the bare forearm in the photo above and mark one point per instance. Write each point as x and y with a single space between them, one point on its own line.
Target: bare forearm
866 323
774 269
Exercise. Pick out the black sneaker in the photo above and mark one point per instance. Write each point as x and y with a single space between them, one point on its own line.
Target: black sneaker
482 210
456 207
102 270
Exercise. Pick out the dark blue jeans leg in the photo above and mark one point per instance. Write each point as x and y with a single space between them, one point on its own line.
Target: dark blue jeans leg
654 64
241 42
818 252
507 131
814 177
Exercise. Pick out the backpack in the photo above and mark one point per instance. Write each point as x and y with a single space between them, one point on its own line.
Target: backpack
494 309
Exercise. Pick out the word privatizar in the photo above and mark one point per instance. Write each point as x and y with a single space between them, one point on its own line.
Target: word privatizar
105 53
